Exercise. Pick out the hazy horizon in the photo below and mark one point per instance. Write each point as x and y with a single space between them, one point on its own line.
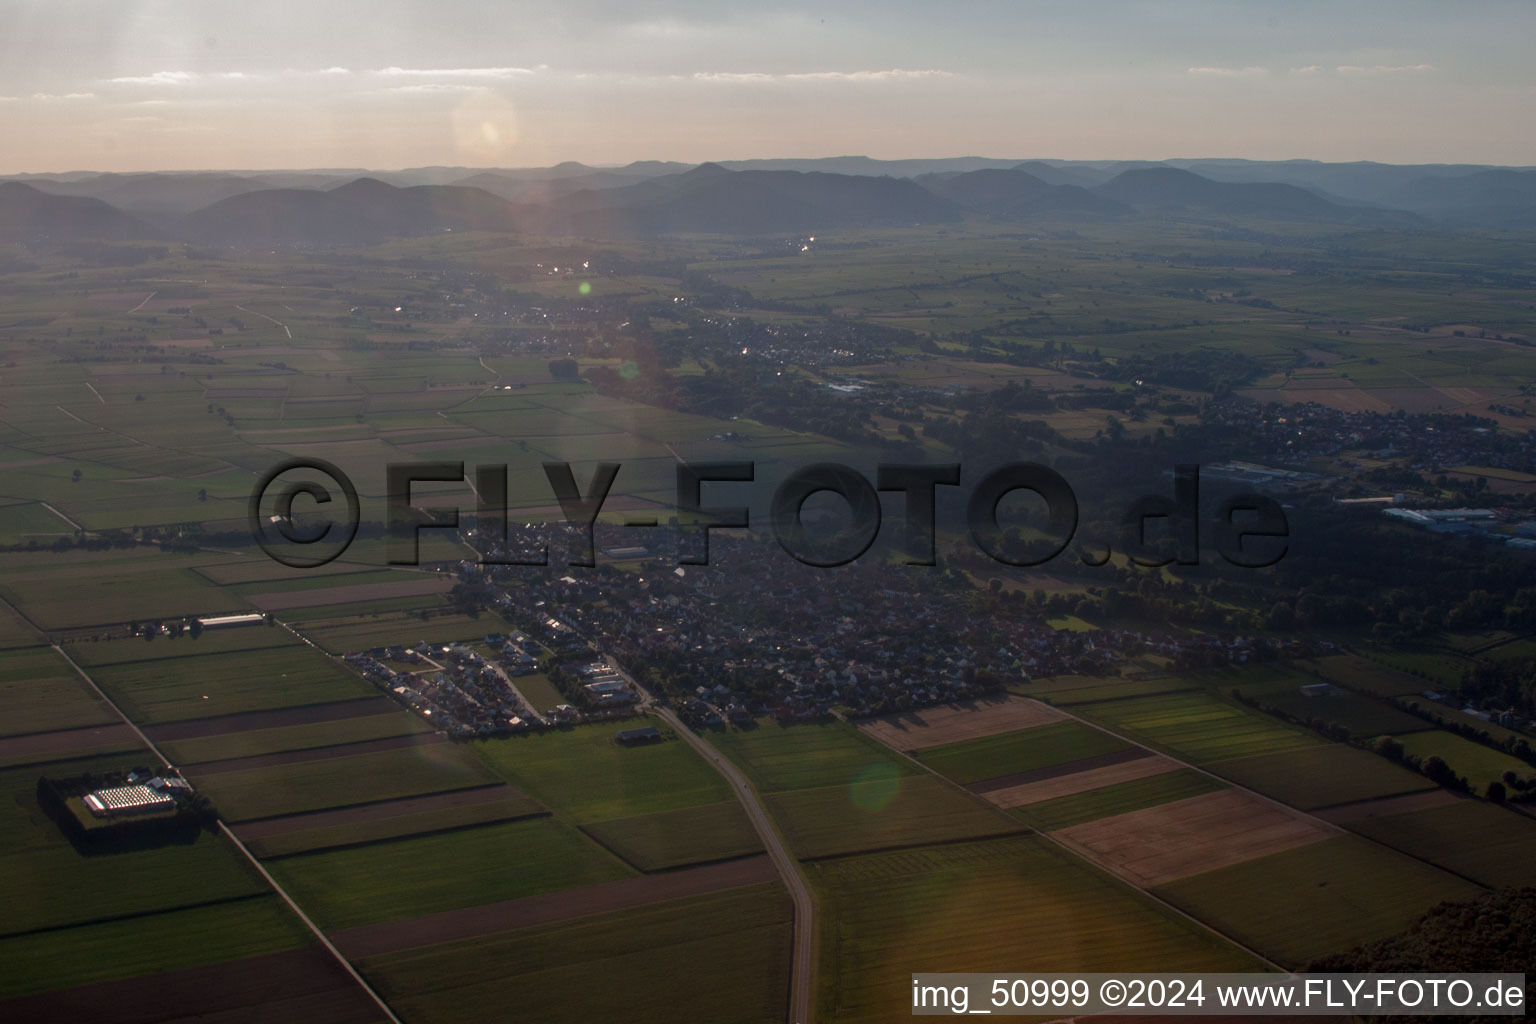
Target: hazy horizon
149 85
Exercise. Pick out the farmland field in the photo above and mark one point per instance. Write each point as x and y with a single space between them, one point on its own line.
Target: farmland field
806 756
1488 844
1324 898
1041 747
312 735
406 877
339 781
686 835
1186 837
381 824
880 810
1198 726
148 943
719 957
1065 811
173 689
1321 776
931 727
587 775
984 907
40 692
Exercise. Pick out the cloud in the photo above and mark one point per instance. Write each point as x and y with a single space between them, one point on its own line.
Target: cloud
158 78
430 87
1310 69
1247 72
759 77
1383 69
394 72
49 97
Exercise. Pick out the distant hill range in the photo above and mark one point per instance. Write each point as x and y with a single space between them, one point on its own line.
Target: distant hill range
754 197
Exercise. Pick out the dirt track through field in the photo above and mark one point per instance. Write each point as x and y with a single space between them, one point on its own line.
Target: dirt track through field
1081 782
951 723
267 827
279 988
240 764
307 714
1190 837
547 908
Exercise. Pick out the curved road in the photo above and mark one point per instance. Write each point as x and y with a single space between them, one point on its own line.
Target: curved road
803 966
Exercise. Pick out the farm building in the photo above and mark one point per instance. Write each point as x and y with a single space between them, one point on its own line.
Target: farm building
227 621
635 737
1319 690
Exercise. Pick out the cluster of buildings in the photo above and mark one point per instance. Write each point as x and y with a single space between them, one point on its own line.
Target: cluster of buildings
461 692
1514 530
139 794
1422 442
727 642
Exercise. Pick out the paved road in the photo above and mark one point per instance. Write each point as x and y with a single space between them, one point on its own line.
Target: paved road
803 967
802 975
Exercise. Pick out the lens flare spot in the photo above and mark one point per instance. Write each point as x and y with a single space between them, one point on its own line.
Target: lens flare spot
629 370
874 787
585 287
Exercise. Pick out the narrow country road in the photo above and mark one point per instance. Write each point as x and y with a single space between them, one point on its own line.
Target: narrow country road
803 966
802 973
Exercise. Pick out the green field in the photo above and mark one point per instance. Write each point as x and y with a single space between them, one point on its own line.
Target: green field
90 653
1321 776
1198 726
584 774
1318 899
312 735
1488 844
395 826
1359 673
14 630
340 781
173 689
806 756
722 957
421 875
1025 750
1005 905
47 883
76 588
1478 764
41 692
147 944
1361 715
687 835
1121 798
881 810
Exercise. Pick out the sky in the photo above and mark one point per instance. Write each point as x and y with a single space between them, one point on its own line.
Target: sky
137 85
